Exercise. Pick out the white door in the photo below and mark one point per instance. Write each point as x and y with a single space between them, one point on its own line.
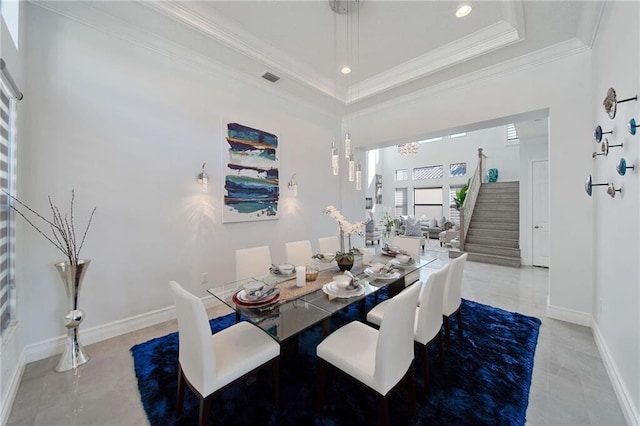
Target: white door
540 204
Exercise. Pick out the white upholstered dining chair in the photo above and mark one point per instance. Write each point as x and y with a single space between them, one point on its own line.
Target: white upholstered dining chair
409 244
428 316
298 252
453 296
208 363
379 359
252 262
329 244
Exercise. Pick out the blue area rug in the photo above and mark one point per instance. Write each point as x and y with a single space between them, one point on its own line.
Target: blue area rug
484 380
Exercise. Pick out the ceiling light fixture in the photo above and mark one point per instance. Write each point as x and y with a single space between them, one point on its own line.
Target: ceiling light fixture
345 70
408 148
463 11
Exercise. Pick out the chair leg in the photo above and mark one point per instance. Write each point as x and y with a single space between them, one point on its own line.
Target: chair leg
440 346
275 373
445 320
383 409
181 384
426 368
322 380
411 391
205 406
459 317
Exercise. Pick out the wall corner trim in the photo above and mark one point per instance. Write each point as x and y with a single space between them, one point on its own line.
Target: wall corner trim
9 397
629 409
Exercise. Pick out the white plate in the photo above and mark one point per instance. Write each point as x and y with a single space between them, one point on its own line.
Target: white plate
398 263
242 296
391 276
334 291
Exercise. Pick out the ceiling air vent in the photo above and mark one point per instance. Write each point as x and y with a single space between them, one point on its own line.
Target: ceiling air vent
271 77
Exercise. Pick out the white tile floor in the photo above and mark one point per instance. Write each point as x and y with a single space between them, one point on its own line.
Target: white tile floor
570 385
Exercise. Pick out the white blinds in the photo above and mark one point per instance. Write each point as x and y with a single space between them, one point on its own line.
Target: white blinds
6 234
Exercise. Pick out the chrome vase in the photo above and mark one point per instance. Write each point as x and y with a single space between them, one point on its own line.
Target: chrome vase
72 275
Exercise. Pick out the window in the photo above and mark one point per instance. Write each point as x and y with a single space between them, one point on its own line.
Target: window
401 202
7 120
402 175
439 138
429 172
512 135
427 202
454 214
457 169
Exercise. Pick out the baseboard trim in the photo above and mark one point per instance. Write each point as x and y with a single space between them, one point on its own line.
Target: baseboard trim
630 411
55 345
12 390
569 315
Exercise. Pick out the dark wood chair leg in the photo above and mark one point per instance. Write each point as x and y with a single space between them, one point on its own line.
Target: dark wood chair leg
459 317
383 410
411 391
205 406
322 380
445 320
181 384
275 374
440 346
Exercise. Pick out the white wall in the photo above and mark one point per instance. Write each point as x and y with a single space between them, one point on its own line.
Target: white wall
616 302
129 129
564 87
445 152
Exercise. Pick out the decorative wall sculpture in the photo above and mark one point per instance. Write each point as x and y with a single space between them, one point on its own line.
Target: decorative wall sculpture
251 169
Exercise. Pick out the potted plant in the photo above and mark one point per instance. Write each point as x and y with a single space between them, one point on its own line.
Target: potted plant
344 258
460 196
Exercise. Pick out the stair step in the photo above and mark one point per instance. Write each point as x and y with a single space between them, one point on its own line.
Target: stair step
499 251
493 242
493 233
499 225
490 217
487 258
506 184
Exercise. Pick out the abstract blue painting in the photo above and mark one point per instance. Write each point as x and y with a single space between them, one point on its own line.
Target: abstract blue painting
251 182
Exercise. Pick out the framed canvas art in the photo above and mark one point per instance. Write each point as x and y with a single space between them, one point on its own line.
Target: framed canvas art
251 174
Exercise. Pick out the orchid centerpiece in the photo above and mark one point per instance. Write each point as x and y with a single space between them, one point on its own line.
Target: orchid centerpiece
345 228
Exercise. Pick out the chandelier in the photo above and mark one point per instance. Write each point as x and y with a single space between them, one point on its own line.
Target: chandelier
408 148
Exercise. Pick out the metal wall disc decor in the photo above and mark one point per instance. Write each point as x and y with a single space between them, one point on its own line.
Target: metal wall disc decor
611 190
604 147
588 185
611 102
595 154
622 167
631 126
597 134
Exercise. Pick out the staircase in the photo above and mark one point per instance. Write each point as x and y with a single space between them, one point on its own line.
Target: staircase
494 230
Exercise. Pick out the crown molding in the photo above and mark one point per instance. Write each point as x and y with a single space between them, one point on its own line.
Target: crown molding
531 60
224 31
87 14
490 38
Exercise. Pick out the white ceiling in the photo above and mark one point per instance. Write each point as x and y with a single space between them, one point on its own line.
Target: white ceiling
396 46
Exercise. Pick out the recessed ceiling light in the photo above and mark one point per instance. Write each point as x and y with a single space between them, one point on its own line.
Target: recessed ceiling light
463 11
345 70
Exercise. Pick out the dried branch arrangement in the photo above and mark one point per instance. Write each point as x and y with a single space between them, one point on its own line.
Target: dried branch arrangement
63 232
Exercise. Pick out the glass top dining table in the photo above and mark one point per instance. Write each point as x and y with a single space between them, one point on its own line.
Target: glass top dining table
298 308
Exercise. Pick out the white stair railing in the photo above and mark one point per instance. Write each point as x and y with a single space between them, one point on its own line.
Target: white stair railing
472 195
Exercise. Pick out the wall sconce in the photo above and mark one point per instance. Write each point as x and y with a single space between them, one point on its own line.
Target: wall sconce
293 186
203 179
